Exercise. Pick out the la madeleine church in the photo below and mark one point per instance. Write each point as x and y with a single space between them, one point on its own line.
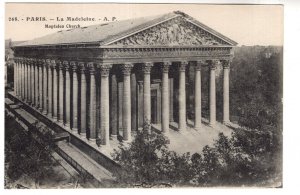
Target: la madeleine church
104 81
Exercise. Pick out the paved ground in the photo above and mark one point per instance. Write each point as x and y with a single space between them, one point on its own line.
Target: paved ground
194 140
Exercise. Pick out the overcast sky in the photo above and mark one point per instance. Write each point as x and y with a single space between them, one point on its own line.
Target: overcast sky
245 24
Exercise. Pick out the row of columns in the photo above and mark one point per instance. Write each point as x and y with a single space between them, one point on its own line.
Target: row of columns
41 83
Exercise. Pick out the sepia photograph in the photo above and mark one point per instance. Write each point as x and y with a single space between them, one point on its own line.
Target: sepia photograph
128 95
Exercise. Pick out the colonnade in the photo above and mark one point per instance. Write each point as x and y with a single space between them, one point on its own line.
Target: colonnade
59 90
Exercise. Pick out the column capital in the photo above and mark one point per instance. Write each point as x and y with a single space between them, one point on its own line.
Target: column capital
81 67
59 64
104 69
73 65
183 65
48 62
213 64
226 64
199 64
147 67
66 65
91 67
40 62
53 63
166 66
126 68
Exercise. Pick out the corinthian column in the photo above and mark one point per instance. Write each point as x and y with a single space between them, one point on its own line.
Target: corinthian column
68 94
55 64
61 94
226 66
165 97
26 79
45 88
104 101
197 97
49 88
41 84
147 91
93 130
182 97
29 80
36 82
83 110
212 93
126 69
75 97
32 82
15 76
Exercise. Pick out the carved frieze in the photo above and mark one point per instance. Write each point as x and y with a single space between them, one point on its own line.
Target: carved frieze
177 31
165 52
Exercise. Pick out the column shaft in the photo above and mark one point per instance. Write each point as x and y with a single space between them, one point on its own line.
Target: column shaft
114 105
25 81
68 96
165 97
15 80
55 89
36 84
182 97
93 130
212 94
61 95
45 89
75 98
147 92
29 82
41 86
50 98
197 97
226 93
126 102
83 110
104 103
32 84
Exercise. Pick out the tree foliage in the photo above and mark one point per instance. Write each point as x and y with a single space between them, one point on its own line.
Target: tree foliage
252 155
24 156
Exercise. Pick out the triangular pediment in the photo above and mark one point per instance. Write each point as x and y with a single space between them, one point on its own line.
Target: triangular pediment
177 31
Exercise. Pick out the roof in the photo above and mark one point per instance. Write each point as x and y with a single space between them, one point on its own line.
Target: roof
107 32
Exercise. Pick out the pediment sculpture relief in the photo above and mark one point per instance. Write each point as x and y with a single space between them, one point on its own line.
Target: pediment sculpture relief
174 32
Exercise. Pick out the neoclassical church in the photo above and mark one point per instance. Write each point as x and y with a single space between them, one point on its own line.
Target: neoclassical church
105 81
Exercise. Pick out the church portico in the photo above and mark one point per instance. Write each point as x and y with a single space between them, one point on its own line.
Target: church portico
105 90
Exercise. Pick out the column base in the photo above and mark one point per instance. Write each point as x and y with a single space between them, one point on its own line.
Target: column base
212 124
92 140
44 112
198 128
49 115
54 118
126 141
74 129
114 137
83 135
226 122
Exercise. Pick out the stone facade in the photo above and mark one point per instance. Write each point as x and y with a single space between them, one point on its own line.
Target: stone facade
110 89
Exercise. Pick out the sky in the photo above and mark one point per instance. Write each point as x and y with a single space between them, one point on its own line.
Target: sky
245 24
